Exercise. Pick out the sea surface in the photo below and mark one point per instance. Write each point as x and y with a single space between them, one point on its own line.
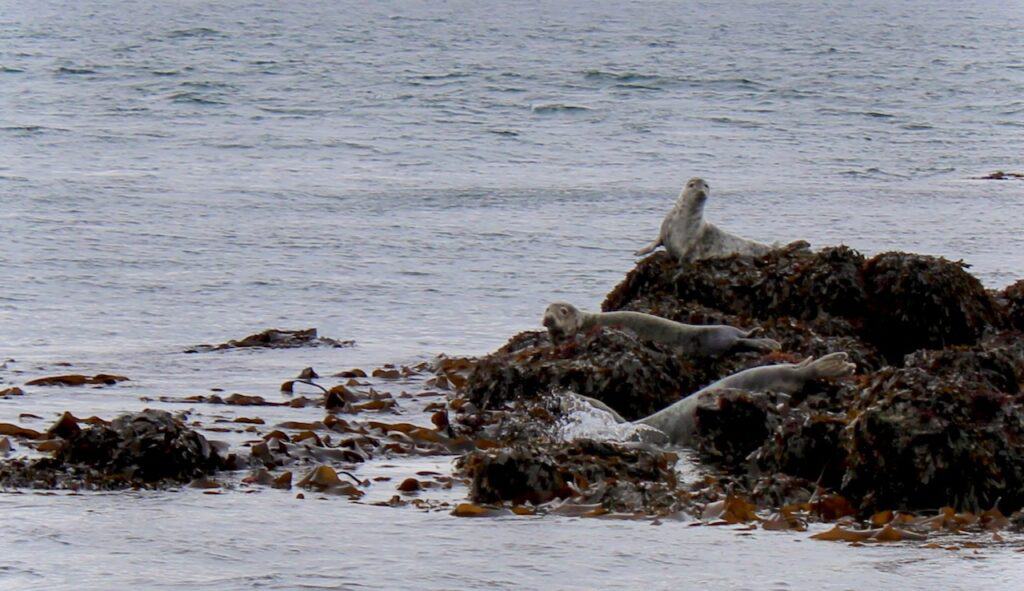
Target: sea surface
424 177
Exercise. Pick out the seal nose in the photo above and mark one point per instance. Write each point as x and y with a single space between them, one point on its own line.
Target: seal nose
548 322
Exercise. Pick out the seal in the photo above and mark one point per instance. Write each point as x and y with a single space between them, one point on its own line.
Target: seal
678 421
564 320
687 237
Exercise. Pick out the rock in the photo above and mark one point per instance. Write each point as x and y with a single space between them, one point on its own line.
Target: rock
807 445
731 427
1014 297
895 302
149 446
917 302
77 380
277 339
140 449
616 476
933 417
931 438
1001 176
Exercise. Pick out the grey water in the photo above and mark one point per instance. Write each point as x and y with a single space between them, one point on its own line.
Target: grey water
424 177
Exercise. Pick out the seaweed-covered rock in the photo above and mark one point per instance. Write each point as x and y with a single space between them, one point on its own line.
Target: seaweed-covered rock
634 377
895 302
617 476
731 426
134 450
274 338
807 445
1014 298
790 281
917 302
927 440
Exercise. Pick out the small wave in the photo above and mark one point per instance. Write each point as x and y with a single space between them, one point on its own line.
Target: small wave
9 70
582 420
165 72
736 122
63 70
878 115
637 86
917 127
292 110
559 108
195 98
206 85
504 132
619 76
448 76
195 32
871 172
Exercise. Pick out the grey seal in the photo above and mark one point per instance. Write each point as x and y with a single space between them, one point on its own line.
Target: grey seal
676 424
564 320
687 237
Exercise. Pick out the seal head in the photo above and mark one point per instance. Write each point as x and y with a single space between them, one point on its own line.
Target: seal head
562 320
696 191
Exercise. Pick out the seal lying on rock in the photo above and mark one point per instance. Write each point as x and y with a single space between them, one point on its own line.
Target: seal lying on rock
687 237
564 320
678 422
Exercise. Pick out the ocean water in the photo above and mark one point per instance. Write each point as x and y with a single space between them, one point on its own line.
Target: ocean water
424 177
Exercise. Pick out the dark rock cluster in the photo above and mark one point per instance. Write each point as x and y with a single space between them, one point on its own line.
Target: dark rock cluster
933 417
139 449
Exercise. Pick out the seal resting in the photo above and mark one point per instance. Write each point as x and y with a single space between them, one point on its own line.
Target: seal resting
687 237
564 320
677 424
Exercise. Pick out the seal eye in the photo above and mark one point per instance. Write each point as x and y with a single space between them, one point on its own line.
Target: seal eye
564 311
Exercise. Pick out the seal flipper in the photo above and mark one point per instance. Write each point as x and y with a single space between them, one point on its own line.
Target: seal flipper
762 344
649 248
833 365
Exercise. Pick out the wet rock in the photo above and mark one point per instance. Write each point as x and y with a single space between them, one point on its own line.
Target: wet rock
1014 298
77 380
731 426
616 476
139 449
790 281
12 391
277 339
928 438
807 445
895 302
1001 176
917 302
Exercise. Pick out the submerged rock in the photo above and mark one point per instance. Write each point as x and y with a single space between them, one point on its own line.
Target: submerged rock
139 449
277 339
